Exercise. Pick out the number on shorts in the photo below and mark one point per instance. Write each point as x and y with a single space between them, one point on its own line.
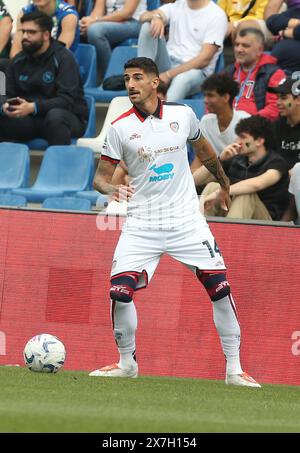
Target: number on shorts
216 248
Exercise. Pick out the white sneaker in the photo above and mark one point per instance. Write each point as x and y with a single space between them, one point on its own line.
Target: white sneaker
115 371
241 379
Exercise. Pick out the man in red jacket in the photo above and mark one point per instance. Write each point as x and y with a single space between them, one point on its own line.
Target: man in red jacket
255 72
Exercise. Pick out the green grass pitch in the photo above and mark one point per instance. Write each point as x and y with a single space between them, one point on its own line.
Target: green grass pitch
71 401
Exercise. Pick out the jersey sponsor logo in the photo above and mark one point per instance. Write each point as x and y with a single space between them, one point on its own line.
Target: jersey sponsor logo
174 126
163 172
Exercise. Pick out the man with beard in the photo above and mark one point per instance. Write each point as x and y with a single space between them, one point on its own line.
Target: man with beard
44 95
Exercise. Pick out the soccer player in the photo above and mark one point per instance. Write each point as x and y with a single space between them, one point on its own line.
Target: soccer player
163 214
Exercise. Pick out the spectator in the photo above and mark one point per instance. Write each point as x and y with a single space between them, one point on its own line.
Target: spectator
287 128
196 33
45 83
5 31
65 23
218 124
258 175
292 212
244 14
255 71
80 6
286 28
110 23
276 6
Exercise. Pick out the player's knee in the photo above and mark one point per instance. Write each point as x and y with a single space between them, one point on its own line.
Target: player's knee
122 288
216 284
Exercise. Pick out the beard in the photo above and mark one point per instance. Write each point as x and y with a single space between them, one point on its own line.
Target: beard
31 48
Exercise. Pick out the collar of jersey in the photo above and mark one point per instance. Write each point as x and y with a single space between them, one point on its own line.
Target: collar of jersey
143 116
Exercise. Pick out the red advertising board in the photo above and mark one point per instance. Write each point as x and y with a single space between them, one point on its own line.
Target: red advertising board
54 278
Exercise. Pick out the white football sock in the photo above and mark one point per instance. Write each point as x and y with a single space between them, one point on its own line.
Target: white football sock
229 330
124 320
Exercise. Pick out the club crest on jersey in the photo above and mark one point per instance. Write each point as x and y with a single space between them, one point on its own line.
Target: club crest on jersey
174 126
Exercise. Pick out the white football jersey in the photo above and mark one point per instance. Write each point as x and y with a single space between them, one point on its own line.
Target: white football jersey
154 150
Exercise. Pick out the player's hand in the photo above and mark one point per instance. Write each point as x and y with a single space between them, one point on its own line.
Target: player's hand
230 151
224 199
222 196
123 193
210 200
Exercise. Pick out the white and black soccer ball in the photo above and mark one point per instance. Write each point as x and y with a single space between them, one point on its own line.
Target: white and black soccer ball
44 353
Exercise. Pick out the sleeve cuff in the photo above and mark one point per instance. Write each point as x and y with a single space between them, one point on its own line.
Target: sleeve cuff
35 109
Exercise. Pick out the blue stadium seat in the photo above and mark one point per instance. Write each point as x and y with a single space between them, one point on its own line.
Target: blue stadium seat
67 204
40 143
86 57
118 58
8 199
14 166
220 65
94 197
151 4
64 171
196 104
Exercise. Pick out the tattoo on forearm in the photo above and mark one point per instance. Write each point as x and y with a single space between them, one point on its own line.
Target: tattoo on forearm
215 168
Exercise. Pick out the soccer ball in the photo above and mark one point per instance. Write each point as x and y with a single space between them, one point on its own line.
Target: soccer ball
44 353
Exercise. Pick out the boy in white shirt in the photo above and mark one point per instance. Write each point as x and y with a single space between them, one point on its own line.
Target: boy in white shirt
197 30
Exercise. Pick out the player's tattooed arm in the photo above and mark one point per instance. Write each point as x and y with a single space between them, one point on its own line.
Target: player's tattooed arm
210 161
215 168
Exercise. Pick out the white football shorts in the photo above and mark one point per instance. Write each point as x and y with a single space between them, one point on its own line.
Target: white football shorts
139 251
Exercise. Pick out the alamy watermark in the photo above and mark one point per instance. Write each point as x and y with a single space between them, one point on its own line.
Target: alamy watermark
162 214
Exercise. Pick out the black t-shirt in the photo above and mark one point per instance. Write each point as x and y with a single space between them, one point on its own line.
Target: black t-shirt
288 141
275 197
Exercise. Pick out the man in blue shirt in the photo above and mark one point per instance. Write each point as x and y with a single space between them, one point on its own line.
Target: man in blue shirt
65 23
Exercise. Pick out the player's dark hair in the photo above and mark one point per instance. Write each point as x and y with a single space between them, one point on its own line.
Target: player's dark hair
222 84
258 127
41 19
146 64
252 31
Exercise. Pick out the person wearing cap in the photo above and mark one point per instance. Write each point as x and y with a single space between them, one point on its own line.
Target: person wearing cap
287 127
255 71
